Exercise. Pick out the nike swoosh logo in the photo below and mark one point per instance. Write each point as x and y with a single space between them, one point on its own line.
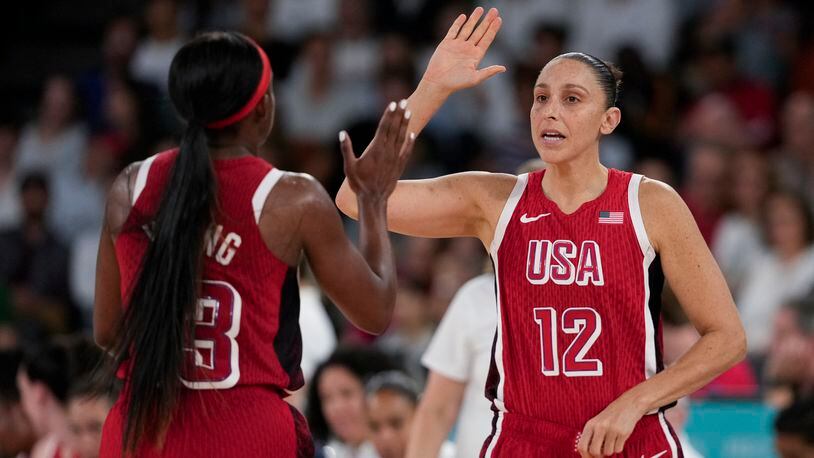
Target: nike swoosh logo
530 219
657 455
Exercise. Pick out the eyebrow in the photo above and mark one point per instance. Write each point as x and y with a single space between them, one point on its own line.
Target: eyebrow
567 86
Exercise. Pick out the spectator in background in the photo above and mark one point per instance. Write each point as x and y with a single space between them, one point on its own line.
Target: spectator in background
458 359
34 262
718 73
118 45
715 119
87 411
795 155
153 55
391 405
704 185
9 198
336 401
738 242
355 49
44 379
54 142
294 20
784 273
648 25
16 434
789 370
794 427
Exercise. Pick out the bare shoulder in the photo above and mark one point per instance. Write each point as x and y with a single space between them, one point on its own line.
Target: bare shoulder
120 198
298 191
665 214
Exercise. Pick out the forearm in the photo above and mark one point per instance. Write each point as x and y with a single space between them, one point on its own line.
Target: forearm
425 101
374 244
712 355
430 428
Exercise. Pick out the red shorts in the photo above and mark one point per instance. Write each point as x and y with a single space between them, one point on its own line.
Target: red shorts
517 435
244 421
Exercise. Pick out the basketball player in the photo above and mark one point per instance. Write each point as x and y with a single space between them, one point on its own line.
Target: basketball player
580 254
198 257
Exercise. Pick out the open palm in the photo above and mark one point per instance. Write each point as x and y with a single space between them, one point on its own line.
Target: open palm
454 64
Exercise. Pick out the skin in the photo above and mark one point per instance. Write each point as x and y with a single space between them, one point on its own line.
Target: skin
569 99
343 404
298 218
390 416
435 415
86 415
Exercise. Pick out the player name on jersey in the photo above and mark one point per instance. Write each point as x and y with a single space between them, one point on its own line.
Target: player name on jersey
560 262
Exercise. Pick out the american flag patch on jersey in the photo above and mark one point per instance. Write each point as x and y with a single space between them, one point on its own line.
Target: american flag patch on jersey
611 217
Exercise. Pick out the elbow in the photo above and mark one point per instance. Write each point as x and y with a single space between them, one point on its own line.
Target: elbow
741 346
345 201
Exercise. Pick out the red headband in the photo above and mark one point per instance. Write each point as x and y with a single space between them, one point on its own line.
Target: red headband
262 87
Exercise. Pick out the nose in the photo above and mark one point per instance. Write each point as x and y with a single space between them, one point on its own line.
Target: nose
551 109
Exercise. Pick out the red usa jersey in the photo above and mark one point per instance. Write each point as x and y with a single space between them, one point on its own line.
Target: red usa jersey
246 321
578 303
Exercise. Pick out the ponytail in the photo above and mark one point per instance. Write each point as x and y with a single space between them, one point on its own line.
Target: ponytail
160 312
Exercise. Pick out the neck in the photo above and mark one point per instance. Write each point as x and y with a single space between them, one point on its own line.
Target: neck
231 150
570 184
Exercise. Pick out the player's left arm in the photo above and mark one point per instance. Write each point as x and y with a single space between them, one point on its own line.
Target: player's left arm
107 302
702 292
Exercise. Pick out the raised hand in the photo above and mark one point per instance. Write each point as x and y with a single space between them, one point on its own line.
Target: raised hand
375 173
454 64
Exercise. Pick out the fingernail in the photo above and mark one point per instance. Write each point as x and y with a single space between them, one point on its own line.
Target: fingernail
407 114
342 135
412 135
403 104
392 106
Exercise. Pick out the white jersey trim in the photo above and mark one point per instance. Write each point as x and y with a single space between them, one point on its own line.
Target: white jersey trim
141 178
650 366
263 190
673 446
508 211
500 231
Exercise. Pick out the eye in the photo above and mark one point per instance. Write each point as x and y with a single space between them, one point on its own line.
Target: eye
540 98
572 99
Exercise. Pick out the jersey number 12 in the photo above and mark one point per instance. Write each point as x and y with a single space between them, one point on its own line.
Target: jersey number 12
586 324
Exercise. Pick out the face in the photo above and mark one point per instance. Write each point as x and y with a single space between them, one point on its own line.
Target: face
343 403
390 416
86 415
785 225
569 113
750 181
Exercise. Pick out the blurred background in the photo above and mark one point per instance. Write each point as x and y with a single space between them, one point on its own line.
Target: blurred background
717 100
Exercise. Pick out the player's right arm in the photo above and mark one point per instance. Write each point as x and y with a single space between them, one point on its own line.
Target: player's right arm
362 283
454 205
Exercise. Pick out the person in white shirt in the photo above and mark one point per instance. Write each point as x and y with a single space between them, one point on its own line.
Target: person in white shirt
458 359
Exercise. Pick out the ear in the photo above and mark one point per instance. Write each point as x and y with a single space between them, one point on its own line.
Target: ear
262 109
611 119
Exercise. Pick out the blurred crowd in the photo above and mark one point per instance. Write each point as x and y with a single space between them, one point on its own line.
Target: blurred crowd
717 101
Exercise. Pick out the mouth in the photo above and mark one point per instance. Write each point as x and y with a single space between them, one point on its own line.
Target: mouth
552 136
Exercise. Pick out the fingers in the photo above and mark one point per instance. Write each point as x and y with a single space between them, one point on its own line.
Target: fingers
385 121
489 35
488 72
347 150
597 440
584 443
469 26
397 118
610 444
402 129
483 26
456 27
620 444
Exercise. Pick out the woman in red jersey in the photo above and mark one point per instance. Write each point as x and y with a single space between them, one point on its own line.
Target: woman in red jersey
580 253
196 292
